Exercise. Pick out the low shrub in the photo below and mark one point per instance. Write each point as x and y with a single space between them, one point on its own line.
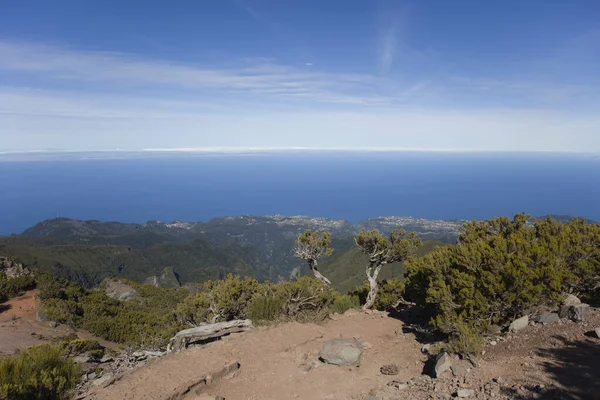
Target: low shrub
38 373
14 287
502 269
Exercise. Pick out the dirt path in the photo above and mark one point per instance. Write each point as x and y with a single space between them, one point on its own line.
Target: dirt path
275 363
556 361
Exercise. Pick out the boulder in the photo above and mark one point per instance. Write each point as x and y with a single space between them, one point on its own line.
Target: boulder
465 393
597 332
547 318
345 352
519 324
571 300
575 312
578 312
443 363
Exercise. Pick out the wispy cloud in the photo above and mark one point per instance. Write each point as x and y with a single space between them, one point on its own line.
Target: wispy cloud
387 47
60 64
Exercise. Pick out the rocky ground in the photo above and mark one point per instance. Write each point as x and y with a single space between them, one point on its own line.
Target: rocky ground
558 360
383 360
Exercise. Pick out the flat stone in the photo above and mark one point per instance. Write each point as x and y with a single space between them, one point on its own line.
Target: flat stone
81 359
519 324
344 352
103 379
458 370
465 392
548 318
106 359
443 363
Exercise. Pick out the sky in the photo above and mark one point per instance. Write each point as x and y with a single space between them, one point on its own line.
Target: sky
507 75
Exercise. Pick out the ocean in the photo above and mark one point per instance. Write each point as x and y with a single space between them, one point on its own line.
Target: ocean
341 185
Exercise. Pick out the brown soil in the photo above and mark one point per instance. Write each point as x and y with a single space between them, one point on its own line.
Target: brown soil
559 360
20 329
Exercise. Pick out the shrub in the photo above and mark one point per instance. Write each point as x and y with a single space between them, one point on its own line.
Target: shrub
390 292
218 301
265 307
502 269
38 373
14 287
343 303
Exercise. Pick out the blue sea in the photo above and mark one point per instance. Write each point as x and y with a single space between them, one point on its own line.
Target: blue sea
342 185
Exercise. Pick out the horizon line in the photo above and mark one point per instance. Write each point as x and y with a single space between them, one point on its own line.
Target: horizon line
259 149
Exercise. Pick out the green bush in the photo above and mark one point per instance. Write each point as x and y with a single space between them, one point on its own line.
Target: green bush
38 373
502 269
218 301
390 292
342 303
14 287
265 307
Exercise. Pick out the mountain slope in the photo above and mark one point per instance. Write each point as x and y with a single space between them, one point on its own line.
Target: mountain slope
89 264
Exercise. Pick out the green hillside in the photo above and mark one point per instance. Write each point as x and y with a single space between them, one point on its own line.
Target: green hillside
87 264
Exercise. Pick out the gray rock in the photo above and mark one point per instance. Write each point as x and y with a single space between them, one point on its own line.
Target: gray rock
344 352
103 379
597 331
571 300
105 359
52 324
519 324
458 370
465 393
548 318
575 312
426 348
578 312
81 359
92 375
443 363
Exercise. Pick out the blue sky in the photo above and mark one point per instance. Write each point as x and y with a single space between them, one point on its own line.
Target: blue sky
133 75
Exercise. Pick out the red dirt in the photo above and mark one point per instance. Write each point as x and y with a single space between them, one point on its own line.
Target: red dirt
559 360
20 329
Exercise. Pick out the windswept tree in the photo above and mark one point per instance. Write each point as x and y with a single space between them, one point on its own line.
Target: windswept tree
383 250
312 246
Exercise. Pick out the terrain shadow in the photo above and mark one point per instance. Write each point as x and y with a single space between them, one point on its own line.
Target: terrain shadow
415 320
4 307
575 368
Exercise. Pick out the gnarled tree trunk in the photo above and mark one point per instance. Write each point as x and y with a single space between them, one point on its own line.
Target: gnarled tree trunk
317 274
372 274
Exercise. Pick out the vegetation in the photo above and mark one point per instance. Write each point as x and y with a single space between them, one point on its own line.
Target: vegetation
38 373
346 267
312 246
389 294
380 250
502 269
14 287
148 320
89 265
